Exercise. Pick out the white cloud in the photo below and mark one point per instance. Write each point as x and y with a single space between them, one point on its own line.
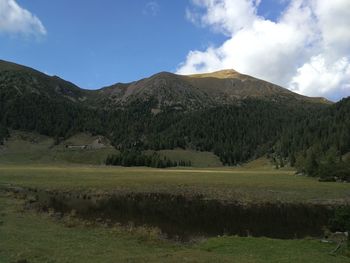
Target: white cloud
16 20
225 15
313 75
306 49
334 22
152 8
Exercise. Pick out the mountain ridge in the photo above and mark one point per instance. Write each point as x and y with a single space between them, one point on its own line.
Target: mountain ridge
183 92
191 92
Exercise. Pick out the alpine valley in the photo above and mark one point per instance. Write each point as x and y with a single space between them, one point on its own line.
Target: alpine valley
234 117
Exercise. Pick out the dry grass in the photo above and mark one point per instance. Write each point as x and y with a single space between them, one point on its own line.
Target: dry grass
233 184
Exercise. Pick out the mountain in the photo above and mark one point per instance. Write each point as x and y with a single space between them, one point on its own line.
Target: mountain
199 91
19 80
192 92
236 116
31 100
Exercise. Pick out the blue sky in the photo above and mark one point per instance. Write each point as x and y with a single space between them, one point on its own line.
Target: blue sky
97 43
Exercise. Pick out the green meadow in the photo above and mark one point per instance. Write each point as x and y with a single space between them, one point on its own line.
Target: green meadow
27 236
251 184
30 160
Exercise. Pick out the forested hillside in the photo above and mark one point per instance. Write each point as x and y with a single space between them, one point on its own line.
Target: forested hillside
285 126
318 142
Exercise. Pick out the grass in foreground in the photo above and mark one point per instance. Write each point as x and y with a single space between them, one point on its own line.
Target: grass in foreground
38 238
239 184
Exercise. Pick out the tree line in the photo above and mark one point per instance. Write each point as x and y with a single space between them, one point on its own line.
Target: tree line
134 158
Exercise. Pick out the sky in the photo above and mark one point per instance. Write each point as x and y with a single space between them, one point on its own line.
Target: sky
302 45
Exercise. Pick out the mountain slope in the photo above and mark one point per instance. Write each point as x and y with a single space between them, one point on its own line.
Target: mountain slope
19 80
199 91
229 85
234 115
164 89
31 100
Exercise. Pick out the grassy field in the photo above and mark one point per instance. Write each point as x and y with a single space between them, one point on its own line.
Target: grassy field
26 235
238 184
31 160
29 148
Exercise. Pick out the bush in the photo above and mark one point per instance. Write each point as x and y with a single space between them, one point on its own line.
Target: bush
4 134
341 221
339 170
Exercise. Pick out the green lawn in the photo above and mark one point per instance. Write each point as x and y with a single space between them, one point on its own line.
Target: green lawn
238 184
40 238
